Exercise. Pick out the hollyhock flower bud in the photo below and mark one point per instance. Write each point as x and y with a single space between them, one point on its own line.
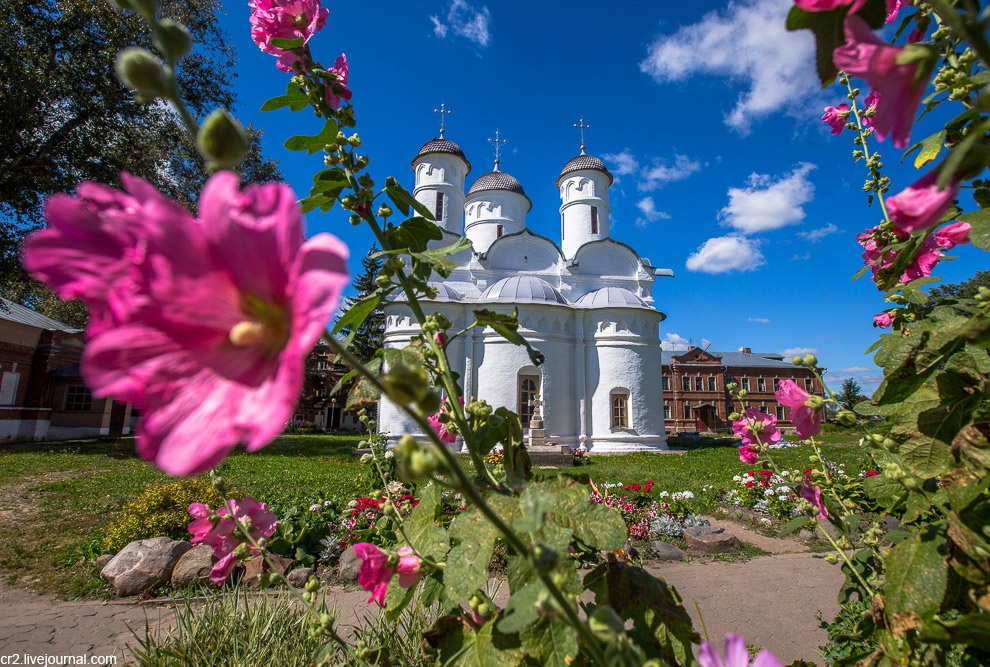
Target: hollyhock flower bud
338 90
173 38
869 110
952 235
922 204
810 360
836 117
139 70
902 85
222 140
883 320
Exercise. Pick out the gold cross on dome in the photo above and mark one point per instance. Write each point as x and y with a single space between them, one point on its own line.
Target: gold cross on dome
580 124
443 111
497 143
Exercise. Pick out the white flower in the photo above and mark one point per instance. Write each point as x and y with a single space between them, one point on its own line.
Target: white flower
765 521
327 503
664 494
389 454
737 478
768 492
395 488
783 489
687 495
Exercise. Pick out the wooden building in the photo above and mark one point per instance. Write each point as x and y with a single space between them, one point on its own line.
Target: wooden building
695 399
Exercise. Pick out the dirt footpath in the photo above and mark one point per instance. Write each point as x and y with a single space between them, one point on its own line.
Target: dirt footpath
771 601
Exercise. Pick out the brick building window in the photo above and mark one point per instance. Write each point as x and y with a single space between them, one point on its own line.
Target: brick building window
665 382
529 388
699 383
780 413
761 384
78 398
594 219
322 364
685 383
809 385
666 410
776 384
438 213
619 411
687 412
711 384
499 230
745 384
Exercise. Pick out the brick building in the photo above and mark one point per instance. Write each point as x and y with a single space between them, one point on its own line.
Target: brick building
42 394
694 393
316 405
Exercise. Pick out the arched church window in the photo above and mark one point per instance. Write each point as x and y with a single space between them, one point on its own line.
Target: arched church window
499 230
594 219
529 388
438 212
620 410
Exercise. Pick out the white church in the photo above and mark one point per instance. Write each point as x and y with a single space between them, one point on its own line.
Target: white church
586 302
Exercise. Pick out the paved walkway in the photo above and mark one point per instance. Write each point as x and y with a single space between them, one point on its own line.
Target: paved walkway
770 600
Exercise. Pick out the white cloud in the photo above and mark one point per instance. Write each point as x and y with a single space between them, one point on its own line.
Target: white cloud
648 208
661 172
871 379
621 164
767 203
856 369
775 67
816 235
465 21
799 351
675 343
761 320
726 253
798 258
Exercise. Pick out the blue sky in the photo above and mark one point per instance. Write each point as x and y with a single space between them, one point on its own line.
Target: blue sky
707 113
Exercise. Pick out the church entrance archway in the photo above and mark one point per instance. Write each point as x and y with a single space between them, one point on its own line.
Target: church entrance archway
529 388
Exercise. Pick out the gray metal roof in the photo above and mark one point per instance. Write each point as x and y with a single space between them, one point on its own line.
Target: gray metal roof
758 359
584 162
497 180
444 293
13 312
441 146
523 289
611 296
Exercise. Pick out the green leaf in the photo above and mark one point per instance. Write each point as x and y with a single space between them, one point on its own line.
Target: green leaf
488 648
288 44
551 641
403 201
355 315
535 503
796 523
521 609
295 98
467 564
317 201
979 233
364 392
596 525
827 29
414 234
507 326
438 258
397 599
930 148
886 492
316 142
955 158
426 535
917 574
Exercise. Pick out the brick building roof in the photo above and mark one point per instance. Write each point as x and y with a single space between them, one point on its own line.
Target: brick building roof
749 359
13 312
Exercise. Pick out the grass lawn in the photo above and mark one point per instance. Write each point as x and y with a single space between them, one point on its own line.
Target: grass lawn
56 500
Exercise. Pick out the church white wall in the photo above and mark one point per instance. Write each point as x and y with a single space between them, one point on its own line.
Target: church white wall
579 192
485 210
437 173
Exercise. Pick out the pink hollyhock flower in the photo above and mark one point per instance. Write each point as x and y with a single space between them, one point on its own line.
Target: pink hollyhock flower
870 104
865 55
921 266
875 239
285 19
893 6
735 655
204 324
922 204
883 320
828 5
754 423
219 531
807 419
917 34
836 117
814 496
747 454
375 574
952 235
338 90
446 437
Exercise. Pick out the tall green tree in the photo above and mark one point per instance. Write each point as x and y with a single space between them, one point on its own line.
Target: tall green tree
370 336
954 291
64 118
850 394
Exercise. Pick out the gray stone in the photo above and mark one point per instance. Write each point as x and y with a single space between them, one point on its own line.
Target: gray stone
550 455
711 539
257 566
103 560
350 565
805 535
299 576
193 568
144 564
667 551
630 551
892 523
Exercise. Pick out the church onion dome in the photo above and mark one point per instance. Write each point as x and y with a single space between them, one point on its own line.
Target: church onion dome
606 297
442 146
444 293
523 289
584 162
497 180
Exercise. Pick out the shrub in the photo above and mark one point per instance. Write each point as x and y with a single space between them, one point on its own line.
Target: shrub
161 509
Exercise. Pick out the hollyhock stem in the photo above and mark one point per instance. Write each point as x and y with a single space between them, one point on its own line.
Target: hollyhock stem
469 490
854 112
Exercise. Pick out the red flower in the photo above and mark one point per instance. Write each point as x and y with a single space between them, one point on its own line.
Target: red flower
872 473
750 485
